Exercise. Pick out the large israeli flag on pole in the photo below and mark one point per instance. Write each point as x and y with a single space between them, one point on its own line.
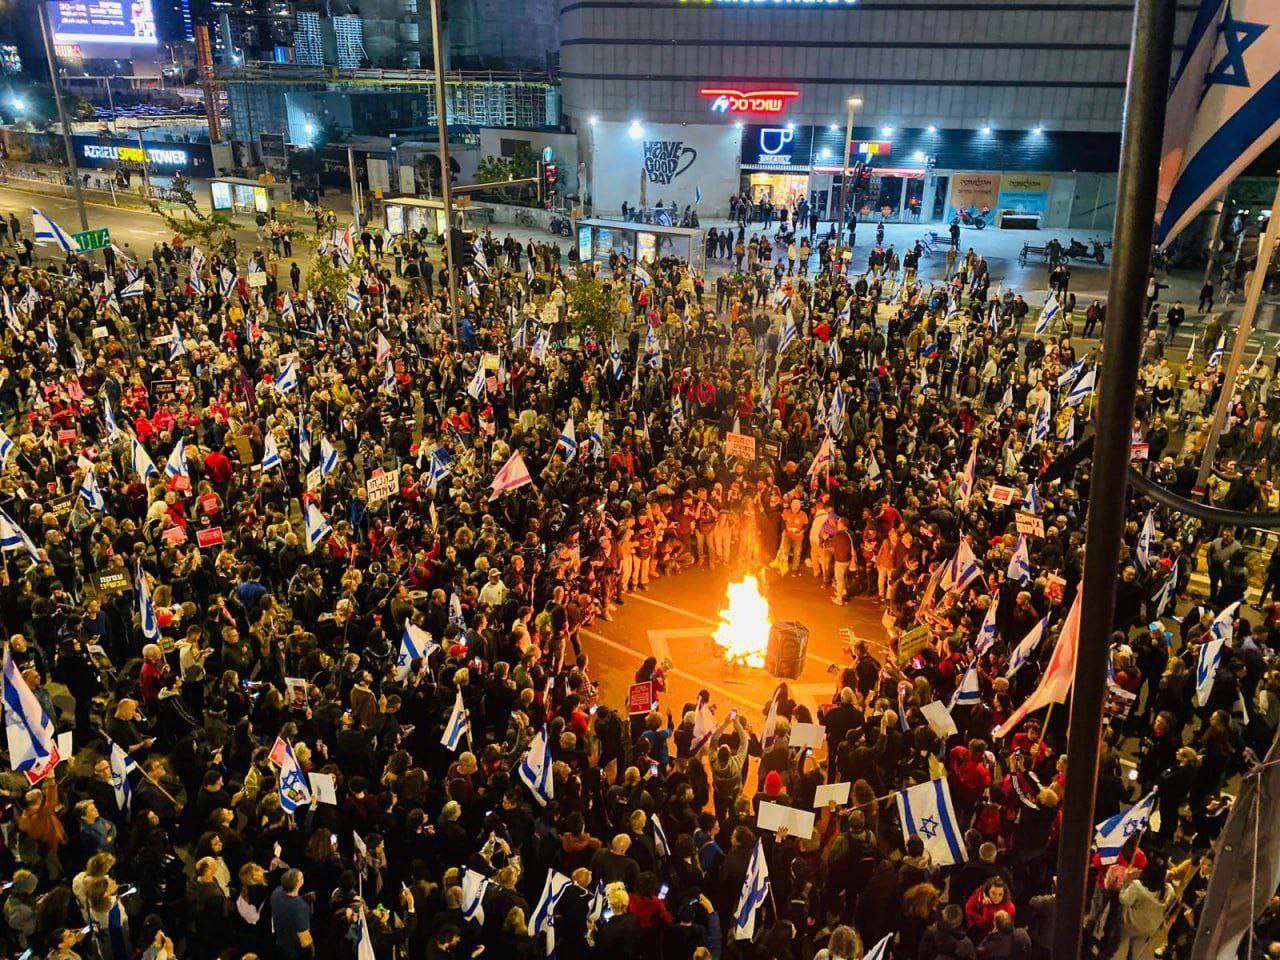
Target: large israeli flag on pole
754 890
458 725
295 792
473 887
33 750
1112 833
926 811
415 644
1224 109
553 889
121 766
535 769
47 231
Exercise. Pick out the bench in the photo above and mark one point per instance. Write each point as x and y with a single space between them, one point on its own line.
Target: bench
1029 250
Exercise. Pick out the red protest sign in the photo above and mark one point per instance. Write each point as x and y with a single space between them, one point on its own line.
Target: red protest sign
67 436
174 536
640 697
209 503
212 537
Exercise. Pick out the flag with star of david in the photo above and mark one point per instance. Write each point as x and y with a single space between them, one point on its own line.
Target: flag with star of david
1112 833
925 810
1224 109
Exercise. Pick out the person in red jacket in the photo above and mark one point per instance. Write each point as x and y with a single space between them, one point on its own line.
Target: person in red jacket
984 903
970 774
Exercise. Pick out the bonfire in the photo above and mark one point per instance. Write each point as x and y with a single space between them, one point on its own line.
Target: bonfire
743 631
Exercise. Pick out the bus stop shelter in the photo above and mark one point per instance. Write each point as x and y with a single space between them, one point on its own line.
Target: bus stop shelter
242 195
412 214
597 238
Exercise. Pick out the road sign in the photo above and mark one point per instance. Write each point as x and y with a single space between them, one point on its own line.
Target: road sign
93 239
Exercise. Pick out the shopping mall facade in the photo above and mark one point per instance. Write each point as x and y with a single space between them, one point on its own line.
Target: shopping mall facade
1007 106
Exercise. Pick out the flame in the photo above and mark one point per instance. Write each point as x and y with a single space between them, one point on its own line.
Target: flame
743 632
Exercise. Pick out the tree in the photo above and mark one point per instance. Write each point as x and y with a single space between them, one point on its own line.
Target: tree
323 276
592 306
427 167
521 165
212 231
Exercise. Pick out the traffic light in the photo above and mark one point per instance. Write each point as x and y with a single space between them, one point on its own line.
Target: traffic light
461 249
548 177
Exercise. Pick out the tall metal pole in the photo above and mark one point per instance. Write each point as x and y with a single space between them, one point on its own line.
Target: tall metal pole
47 34
355 186
854 103
446 185
1215 235
1148 87
1266 249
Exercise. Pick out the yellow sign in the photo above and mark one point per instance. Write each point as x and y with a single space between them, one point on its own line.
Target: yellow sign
1033 182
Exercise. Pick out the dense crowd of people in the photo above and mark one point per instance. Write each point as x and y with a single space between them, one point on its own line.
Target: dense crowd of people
268 542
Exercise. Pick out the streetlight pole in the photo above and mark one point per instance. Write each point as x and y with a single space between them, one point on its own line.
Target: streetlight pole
853 103
47 35
446 186
355 186
1144 113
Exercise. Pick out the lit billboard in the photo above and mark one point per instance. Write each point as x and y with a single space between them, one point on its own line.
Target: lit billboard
123 22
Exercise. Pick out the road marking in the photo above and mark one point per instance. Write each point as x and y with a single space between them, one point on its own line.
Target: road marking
659 640
676 671
697 616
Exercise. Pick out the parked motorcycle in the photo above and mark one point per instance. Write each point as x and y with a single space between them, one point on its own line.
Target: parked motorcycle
976 220
1093 250
562 226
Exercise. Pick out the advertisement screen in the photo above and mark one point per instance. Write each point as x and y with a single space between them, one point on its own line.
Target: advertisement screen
395 219
221 195
584 244
103 21
162 157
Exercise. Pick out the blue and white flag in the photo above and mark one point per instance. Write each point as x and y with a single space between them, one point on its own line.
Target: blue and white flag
90 493
474 885
317 527
295 792
142 464
287 310
1224 108
1027 648
459 724
835 414
476 387
1048 313
568 442
1019 563
789 334
1167 591
1111 834
442 462
1083 388
961 570
354 303
6 449
541 345
1068 376
473 288
1215 358
415 644
176 464
364 942
1145 539
1224 623
880 951
33 748
270 453
926 812
677 414
953 309
481 261
455 611
987 632
304 443
328 456
970 690
755 889
50 337
77 358
196 282
642 274
704 727
135 288
1069 431
596 908
1207 667
542 920
837 355
1043 425
122 765
146 608
659 836
1031 502
535 769
46 231
965 482
14 538
113 431
595 441
287 379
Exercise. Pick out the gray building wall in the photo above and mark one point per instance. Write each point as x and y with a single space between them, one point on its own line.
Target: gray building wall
502 34
916 63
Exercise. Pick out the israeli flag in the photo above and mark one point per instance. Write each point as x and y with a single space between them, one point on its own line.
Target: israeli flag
6 449
46 231
473 289
474 885
1041 429
615 359
925 811
389 377
481 261
987 632
295 792
142 464
1083 389
970 691
543 916
458 725
304 443
364 942
704 727
90 492
1145 539
415 644
1006 401
596 442
530 272
328 457
1215 358
1110 835
50 338
1031 501
568 442
135 288
176 346
953 309
660 845
677 414
77 358
270 453
535 769
766 403
1048 314
837 355
642 274
442 462
755 888
317 527
835 415
1167 590
476 387
965 482
122 765
1224 109
1019 563
1207 667
354 302
521 337
33 748
287 310
176 465
14 538
1027 648
541 344
595 910
880 951
146 609
1069 431
226 282
1068 376
455 610
961 569
789 334
196 282
1224 623
287 379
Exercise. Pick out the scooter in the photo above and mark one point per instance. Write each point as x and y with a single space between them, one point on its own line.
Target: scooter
561 226
1079 251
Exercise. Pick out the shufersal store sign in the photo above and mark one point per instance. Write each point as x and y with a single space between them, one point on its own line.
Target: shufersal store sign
728 100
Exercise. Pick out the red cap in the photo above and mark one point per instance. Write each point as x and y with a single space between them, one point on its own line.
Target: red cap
773 783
